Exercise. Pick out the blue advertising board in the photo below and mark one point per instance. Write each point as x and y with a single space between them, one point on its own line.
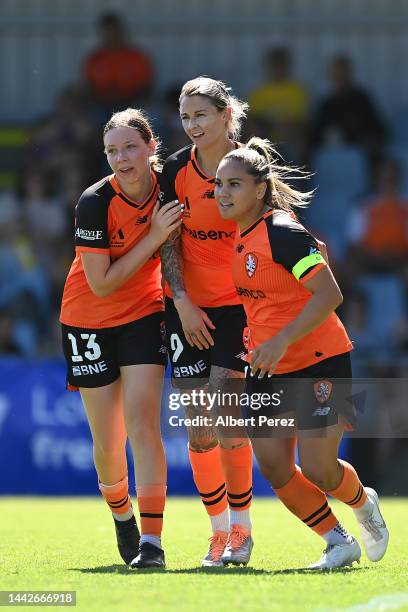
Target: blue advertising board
45 443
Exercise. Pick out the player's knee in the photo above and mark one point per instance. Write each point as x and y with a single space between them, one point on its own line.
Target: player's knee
323 476
143 432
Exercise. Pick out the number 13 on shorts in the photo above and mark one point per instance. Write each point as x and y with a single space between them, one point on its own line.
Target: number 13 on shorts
92 354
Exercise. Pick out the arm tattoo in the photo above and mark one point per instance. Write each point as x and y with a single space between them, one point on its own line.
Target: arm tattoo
172 264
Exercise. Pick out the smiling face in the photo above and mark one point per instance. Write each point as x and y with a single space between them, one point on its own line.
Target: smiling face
128 155
239 197
202 121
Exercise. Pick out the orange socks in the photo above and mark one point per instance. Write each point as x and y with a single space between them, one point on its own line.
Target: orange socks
151 500
117 497
350 490
209 479
308 503
237 466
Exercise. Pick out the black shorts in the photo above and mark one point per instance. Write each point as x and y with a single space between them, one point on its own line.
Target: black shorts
94 356
190 366
315 396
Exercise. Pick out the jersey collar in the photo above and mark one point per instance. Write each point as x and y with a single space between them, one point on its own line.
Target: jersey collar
249 229
140 205
197 167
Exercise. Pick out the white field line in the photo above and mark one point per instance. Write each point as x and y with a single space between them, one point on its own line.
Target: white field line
383 603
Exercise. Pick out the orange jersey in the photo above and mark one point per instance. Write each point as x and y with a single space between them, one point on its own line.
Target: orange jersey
107 221
207 240
272 260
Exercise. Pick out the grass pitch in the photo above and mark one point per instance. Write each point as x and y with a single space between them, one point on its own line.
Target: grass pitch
68 544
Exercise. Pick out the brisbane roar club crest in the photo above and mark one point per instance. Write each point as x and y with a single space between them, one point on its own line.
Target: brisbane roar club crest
322 390
251 263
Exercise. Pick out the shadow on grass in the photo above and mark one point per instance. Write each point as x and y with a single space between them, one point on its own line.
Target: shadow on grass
214 571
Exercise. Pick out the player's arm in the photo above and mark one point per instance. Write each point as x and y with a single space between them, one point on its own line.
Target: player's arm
92 242
194 320
304 260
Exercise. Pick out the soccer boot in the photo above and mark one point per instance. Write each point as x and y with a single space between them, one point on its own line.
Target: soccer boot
149 556
338 555
218 542
239 546
127 537
374 532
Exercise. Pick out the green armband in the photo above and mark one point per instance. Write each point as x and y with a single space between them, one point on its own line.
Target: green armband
307 262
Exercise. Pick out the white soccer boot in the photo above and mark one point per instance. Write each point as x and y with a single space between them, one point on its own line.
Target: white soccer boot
374 532
338 555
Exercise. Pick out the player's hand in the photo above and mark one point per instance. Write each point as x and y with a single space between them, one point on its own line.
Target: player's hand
165 220
196 323
323 250
266 357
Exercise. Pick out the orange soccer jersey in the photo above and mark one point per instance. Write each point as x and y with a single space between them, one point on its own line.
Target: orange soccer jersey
272 260
207 240
107 221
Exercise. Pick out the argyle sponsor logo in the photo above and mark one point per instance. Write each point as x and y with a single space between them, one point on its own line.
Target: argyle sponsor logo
86 234
251 263
323 390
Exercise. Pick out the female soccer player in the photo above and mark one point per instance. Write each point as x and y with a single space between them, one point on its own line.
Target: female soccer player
204 317
296 339
113 329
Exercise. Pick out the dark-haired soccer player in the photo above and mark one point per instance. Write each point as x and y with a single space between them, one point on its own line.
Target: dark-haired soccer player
298 348
113 330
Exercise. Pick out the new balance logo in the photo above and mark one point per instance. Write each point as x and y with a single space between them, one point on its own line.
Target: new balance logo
209 195
141 220
322 411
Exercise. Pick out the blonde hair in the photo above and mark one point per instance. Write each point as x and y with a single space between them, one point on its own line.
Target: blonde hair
137 119
220 95
263 162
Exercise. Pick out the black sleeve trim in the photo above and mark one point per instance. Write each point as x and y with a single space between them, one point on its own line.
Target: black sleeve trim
171 167
91 219
291 243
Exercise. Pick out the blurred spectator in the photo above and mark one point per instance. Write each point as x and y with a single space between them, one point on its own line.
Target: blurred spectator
66 137
44 214
365 339
348 113
117 73
279 106
378 229
167 122
8 344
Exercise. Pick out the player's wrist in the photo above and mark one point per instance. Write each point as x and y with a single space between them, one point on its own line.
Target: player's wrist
285 336
181 298
153 241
